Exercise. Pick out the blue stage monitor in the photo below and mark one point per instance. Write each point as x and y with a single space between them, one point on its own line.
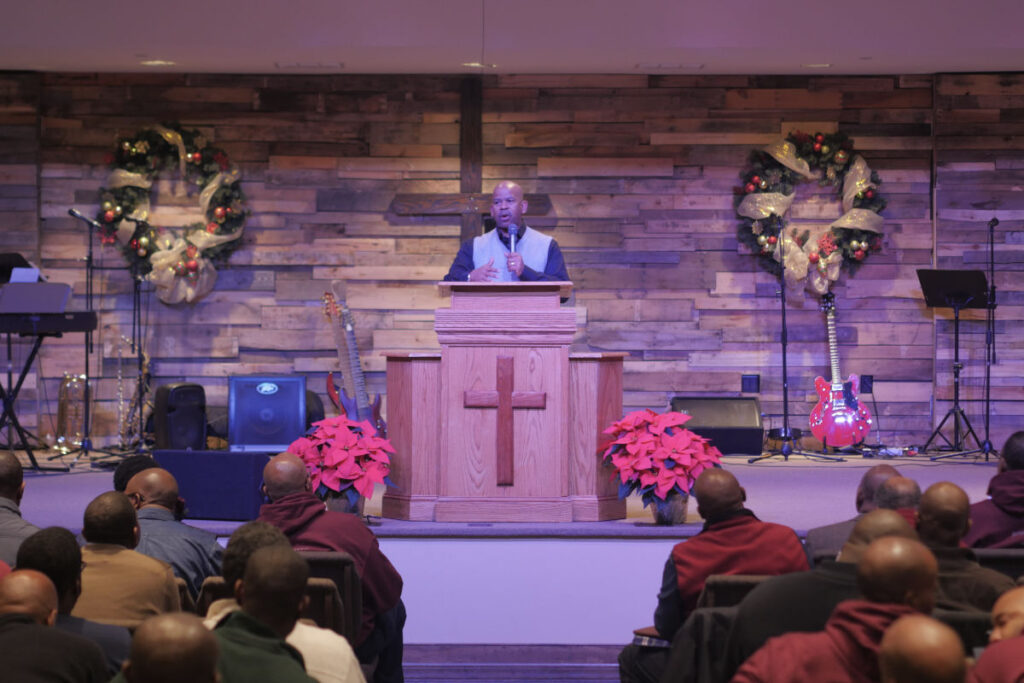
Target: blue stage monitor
265 413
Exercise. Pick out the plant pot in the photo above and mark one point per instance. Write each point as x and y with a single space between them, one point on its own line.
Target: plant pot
671 511
340 503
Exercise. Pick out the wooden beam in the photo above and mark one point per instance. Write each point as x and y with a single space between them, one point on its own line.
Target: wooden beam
471 150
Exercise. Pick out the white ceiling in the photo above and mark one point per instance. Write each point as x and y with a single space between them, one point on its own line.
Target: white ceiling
518 36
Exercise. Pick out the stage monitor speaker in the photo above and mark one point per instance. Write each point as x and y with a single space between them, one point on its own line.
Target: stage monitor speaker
733 424
217 484
179 416
265 413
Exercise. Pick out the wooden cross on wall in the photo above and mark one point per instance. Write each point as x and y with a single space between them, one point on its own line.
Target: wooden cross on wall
470 204
506 400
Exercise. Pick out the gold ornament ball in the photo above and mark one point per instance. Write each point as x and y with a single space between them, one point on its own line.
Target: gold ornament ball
763 184
141 252
126 145
762 240
825 149
118 209
144 241
107 206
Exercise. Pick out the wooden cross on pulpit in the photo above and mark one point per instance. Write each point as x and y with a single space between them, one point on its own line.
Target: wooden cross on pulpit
505 399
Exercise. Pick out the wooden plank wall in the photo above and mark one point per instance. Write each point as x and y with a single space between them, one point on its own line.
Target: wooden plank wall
640 172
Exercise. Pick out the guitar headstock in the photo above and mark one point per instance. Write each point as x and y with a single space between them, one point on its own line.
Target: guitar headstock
330 305
828 302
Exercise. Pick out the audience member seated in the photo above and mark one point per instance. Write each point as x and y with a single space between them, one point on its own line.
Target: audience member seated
13 529
897 577
1003 659
129 467
919 649
328 657
733 541
803 601
55 552
943 518
120 586
995 519
826 541
310 526
901 494
31 651
172 648
270 596
192 553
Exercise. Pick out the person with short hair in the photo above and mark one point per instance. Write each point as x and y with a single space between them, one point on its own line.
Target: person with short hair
172 648
901 494
329 658
31 651
120 586
55 552
1003 659
919 649
896 577
993 521
192 553
13 528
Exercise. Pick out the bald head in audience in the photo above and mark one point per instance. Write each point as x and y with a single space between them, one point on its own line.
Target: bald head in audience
874 525
110 518
919 649
172 648
154 487
869 484
1008 616
897 493
898 571
718 493
273 590
943 515
26 591
12 477
283 475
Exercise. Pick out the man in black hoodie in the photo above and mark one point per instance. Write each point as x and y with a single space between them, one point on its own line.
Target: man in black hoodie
309 525
994 520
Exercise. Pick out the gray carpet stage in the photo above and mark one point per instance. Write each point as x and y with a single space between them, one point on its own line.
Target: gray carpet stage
578 583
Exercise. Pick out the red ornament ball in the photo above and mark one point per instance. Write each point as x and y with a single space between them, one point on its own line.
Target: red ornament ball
819 138
134 244
813 257
756 179
750 187
192 265
859 254
772 239
109 216
869 193
817 146
191 250
219 213
211 228
195 157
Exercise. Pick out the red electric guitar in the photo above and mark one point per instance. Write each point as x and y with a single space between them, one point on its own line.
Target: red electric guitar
353 400
839 419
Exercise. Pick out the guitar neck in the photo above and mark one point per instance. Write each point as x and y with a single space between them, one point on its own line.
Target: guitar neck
833 351
355 373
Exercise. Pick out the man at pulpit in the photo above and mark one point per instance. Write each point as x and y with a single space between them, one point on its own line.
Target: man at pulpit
512 251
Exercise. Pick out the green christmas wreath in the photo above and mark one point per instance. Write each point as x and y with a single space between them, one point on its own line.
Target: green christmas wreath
814 257
179 261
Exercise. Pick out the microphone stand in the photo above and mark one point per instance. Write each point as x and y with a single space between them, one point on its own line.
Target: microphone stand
990 337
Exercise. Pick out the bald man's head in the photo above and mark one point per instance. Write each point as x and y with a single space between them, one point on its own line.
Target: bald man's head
285 474
943 515
110 518
1008 615
12 477
898 571
869 484
919 649
897 493
718 492
153 487
26 591
171 648
874 525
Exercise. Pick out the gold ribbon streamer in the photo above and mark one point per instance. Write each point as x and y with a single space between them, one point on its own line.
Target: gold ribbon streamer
174 137
223 178
860 219
796 262
172 288
758 205
784 152
857 179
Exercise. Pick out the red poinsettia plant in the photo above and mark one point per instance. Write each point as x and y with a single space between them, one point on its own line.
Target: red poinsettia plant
656 456
344 457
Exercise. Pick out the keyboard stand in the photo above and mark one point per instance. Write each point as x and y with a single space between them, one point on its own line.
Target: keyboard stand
9 395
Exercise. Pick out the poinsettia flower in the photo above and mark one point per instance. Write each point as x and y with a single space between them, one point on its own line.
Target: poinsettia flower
667 420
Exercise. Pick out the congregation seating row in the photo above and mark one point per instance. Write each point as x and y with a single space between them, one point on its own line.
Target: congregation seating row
334 590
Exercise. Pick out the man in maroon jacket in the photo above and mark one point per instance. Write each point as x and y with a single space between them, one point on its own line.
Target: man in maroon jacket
897 577
309 525
733 541
997 518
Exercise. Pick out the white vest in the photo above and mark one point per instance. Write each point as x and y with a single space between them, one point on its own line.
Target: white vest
533 247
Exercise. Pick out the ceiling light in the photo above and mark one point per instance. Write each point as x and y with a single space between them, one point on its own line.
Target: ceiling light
479 65
816 66
157 62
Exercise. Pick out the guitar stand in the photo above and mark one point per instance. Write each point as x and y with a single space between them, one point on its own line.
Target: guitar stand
956 289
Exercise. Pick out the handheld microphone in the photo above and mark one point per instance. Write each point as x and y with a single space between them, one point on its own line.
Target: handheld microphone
80 216
512 230
993 223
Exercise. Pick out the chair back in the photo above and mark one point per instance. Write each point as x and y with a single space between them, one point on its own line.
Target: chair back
726 590
184 596
340 568
1009 561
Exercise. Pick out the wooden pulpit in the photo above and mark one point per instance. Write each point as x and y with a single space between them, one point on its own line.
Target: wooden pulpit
503 424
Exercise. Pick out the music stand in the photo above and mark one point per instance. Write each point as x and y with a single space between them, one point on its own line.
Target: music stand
956 289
